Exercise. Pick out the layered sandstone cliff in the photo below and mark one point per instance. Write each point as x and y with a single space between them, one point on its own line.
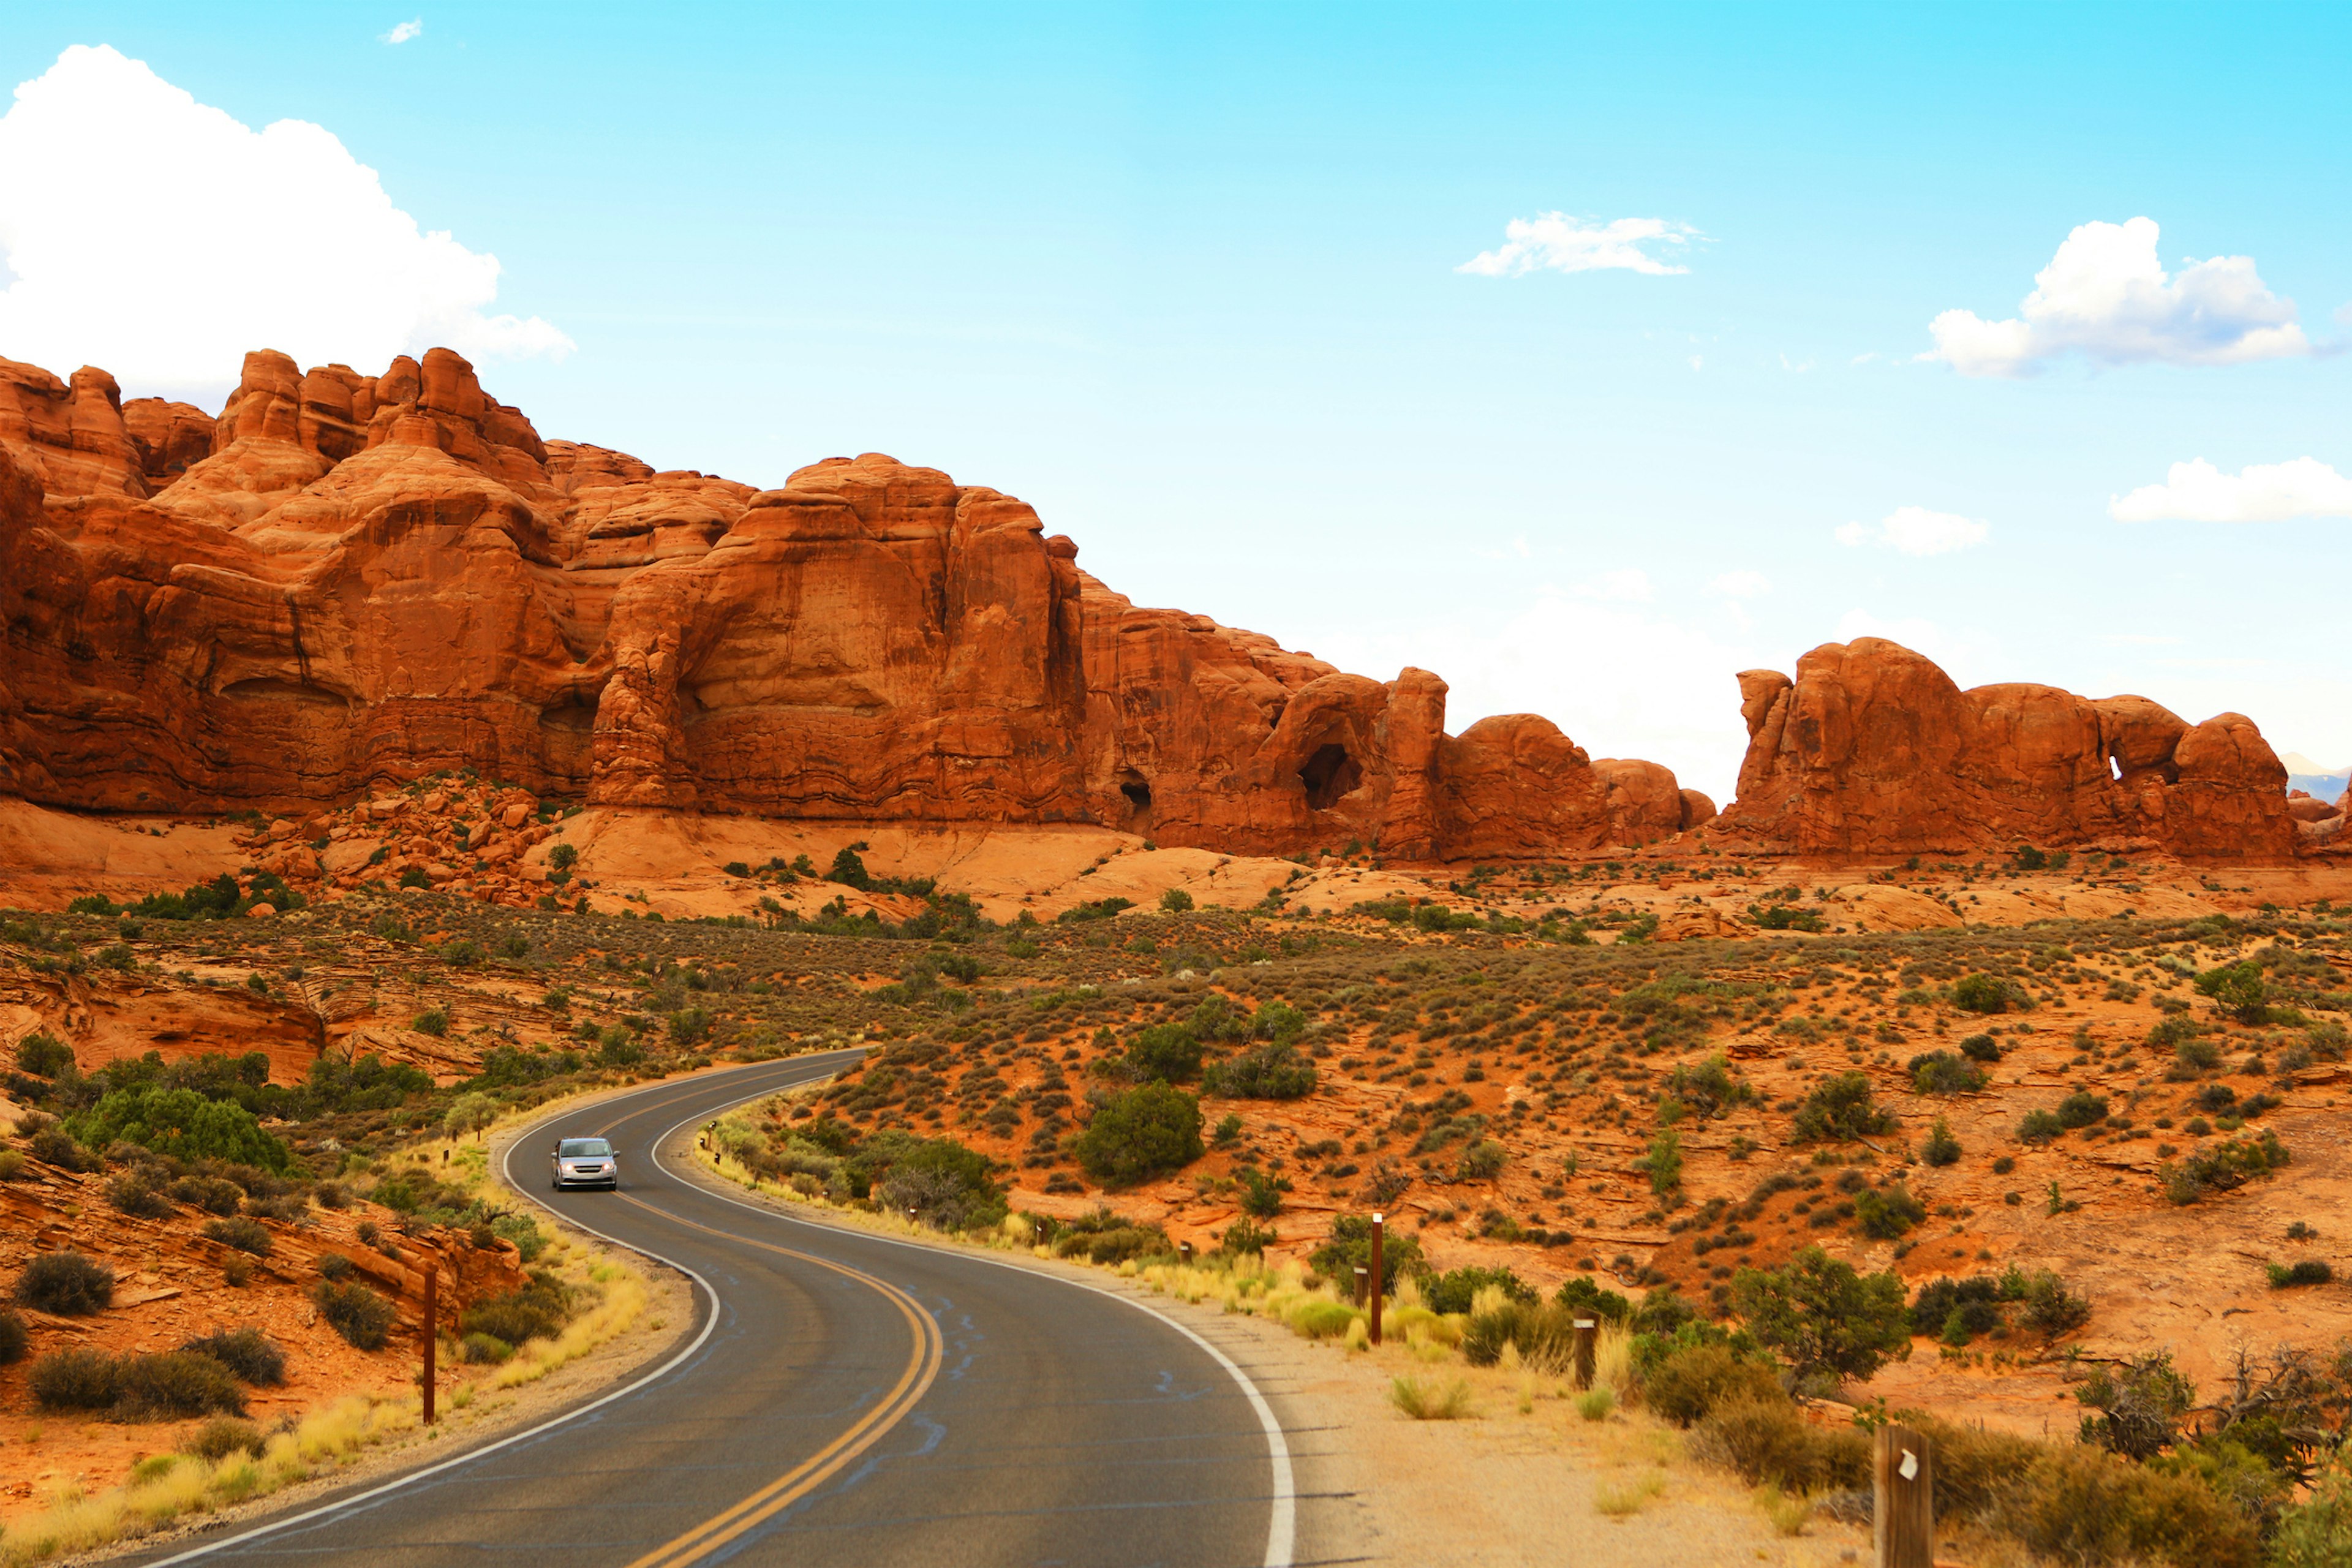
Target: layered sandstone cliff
1872 750
347 580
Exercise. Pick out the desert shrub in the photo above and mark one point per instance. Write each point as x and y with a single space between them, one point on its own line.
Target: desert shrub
66 1283
1485 1158
1980 1049
2317 1531
12 1336
945 1183
1431 1401
43 1054
1167 1052
213 1194
333 1265
1693 1379
2239 990
2140 1405
1545 1335
2050 1309
183 1124
433 1021
246 1352
2038 1127
1142 1134
174 1386
2310 1271
1457 1288
2080 1505
1105 1237
1823 1318
1839 1110
537 1311
1709 1088
1988 993
1242 1238
1958 1309
12 1165
1884 1215
1585 1299
2082 1109
74 1380
1760 1436
1941 1072
2222 1167
134 1192
245 1234
364 1317
1272 1071
482 1348
1350 1247
689 1026
56 1146
1941 1148
224 1436
1175 901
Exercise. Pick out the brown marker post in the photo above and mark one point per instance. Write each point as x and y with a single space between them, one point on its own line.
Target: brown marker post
431 1333
1376 1279
1903 1476
1362 1274
1588 1335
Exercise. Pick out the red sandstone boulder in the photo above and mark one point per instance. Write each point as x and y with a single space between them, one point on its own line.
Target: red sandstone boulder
1872 750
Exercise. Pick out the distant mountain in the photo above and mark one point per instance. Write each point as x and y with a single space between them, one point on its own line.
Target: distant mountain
2326 786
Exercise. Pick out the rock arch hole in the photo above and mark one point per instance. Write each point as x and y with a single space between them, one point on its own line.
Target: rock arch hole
1137 791
1330 775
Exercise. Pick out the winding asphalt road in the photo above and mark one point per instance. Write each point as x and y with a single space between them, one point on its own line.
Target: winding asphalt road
842 1399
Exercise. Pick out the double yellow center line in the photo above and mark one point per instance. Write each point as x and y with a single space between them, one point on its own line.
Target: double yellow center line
922 1368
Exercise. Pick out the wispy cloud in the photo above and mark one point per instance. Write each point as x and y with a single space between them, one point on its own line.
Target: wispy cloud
2197 492
1742 584
1555 242
1629 587
404 31
2107 297
1915 530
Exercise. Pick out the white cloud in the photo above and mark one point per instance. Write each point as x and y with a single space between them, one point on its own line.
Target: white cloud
2107 297
2260 492
1740 585
1915 530
1555 242
404 31
1629 587
276 239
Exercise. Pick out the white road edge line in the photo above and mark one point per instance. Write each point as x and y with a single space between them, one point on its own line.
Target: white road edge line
411 1478
1282 1528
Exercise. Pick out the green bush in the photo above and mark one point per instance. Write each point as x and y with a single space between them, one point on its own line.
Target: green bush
1941 1072
2051 1310
1692 1380
224 1436
245 1234
689 1026
74 1380
183 1124
1176 900
1941 1148
482 1348
1271 1071
1242 1238
1763 1438
66 1283
246 1352
2317 1531
1104 1237
2082 1109
2310 1271
1884 1215
174 1386
1823 1318
2038 1127
1980 1049
1167 1052
2238 989
1350 1247
1988 993
415 877
1483 1159
134 1192
1455 1289
535 1312
2224 1167
44 1054
13 1337
2077 1504
2140 1405
433 1021
1839 1110
364 1317
1142 1134
56 1146
945 1183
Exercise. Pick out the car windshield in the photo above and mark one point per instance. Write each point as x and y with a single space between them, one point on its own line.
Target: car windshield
582 1148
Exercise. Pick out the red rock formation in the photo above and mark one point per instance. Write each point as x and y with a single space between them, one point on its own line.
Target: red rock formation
1872 749
345 580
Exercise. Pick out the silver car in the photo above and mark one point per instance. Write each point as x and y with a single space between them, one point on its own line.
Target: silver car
585 1162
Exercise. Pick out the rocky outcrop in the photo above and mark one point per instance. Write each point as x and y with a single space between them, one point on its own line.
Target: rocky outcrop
1872 749
344 581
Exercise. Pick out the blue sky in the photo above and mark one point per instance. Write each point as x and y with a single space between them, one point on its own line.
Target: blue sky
1188 279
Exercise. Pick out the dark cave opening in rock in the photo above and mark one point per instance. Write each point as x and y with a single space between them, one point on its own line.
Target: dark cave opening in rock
1330 775
1138 792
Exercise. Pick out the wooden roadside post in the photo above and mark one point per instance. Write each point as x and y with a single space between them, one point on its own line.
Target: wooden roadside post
1587 1334
431 1333
1376 1279
1362 1274
1185 1247
1903 1483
